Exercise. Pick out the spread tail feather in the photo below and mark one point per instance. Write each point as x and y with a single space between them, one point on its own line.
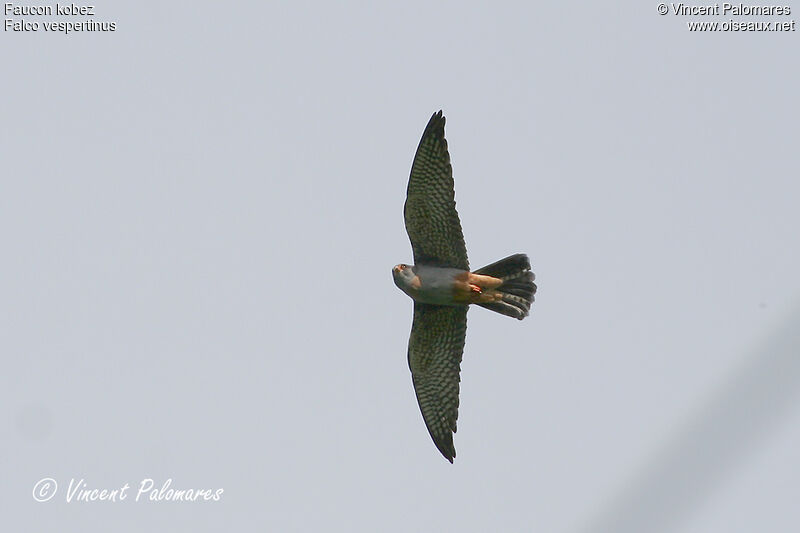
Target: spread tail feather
517 288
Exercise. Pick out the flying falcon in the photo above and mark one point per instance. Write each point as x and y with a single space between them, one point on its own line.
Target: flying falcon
442 286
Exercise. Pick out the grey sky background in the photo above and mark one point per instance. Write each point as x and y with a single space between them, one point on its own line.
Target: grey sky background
198 217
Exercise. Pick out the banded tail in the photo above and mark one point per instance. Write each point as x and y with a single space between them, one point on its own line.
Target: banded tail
517 288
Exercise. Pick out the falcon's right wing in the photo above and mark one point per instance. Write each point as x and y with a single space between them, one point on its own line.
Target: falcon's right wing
434 357
431 219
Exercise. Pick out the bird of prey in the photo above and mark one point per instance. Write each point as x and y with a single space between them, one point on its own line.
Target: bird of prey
442 286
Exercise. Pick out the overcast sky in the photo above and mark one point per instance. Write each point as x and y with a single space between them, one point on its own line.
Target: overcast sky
199 213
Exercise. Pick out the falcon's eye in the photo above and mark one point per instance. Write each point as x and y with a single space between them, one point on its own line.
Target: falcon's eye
401 267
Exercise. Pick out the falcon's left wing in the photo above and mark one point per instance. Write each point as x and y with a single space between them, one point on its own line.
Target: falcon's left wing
431 219
434 357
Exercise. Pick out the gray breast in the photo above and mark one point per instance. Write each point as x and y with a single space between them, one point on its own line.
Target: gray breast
436 284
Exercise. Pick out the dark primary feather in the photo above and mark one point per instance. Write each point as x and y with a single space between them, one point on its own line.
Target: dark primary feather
434 357
430 211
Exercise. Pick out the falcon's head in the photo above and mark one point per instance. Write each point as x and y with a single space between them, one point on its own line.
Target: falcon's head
403 276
